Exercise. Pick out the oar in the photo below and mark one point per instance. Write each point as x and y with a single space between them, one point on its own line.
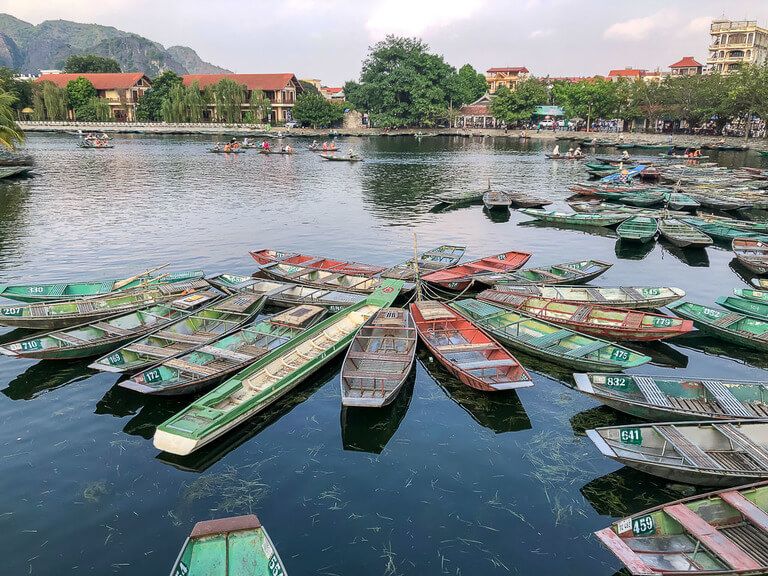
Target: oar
127 281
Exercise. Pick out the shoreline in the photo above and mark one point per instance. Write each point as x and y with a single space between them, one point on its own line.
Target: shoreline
684 140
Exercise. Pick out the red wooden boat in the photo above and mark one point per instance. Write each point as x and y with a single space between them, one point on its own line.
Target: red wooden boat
752 254
264 257
466 351
601 321
461 277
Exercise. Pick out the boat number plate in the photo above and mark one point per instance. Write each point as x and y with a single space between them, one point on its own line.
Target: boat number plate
662 322
631 436
115 359
616 381
710 312
152 376
274 566
12 311
643 525
35 289
387 289
650 291
619 354
623 526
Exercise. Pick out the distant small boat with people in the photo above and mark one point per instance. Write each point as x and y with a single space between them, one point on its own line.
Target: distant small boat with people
91 140
231 147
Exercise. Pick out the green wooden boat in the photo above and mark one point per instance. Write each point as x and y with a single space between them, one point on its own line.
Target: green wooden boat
63 291
751 308
643 199
56 315
202 327
576 219
599 166
103 336
237 546
752 294
638 229
579 272
286 294
680 201
270 378
683 235
212 363
663 398
429 261
729 326
548 341
723 232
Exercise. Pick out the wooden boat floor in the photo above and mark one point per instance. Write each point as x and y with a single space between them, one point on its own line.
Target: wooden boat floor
184 366
153 351
112 329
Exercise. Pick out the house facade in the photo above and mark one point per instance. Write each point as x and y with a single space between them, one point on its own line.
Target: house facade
736 43
121 91
686 66
280 89
477 115
509 77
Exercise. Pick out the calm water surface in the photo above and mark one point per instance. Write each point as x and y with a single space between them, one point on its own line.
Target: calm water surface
446 481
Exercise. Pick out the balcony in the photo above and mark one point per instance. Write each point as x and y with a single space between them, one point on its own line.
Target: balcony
740 25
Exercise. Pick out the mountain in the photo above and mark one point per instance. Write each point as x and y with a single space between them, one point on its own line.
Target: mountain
29 48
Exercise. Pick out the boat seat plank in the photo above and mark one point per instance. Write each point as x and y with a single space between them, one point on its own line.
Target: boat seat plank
548 339
712 538
737 437
388 355
480 365
596 294
587 349
112 329
84 306
378 375
690 452
68 338
228 354
749 510
727 319
468 347
725 399
651 391
153 351
241 303
185 366
632 293
581 313
179 337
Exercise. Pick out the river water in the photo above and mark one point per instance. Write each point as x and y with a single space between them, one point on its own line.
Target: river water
446 481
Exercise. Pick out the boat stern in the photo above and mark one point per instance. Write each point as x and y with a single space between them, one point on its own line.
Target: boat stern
512 385
601 444
7 352
173 443
628 557
583 383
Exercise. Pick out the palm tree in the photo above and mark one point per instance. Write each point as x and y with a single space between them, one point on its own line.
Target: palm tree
10 133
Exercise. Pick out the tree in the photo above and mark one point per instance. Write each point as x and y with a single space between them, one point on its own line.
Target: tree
403 84
90 63
21 89
10 133
79 93
695 99
469 85
95 110
260 106
149 105
586 99
315 110
228 96
174 108
50 102
650 99
747 94
512 106
309 87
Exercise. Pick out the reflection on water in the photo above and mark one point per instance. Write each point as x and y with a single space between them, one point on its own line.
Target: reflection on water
598 417
662 353
496 216
699 341
633 250
696 257
741 272
43 377
370 429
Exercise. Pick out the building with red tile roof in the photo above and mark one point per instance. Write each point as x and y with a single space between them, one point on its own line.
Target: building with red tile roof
281 90
629 73
686 66
121 90
509 77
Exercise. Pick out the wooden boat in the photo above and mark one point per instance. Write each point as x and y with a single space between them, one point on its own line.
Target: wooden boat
722 232
429 261
333 158
523 200
240 150
102 336
751 294
600 321
683 235
564 157
461 276
212 363
712 453
752 254
760 283
204 326
548 341
729 147
636 297
641 199
717 534
496 200
14 171
576 219
286 294
680 201
94 146
579 272
63 291
461 199
751 308
321 149
729 326
271 377
723 203
638 229
265 257
279 152
663 398
472 356
379 359
236 546
324 279
56 315
684 157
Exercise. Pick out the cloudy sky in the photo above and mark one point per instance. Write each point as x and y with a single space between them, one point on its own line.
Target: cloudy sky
327 39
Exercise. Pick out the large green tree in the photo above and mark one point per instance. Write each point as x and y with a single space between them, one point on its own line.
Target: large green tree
403 84
469 85
315 110
81 64
512 106
150 104
49 101
80 92
21 89
588 99
747 94
95 110
228 96
10 133
260 106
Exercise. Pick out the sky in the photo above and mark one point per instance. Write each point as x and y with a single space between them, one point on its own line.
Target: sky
328 39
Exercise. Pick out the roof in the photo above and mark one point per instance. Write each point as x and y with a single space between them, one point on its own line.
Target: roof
251 81
686 62
475 110
334 90
518 69
627 72
122 80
